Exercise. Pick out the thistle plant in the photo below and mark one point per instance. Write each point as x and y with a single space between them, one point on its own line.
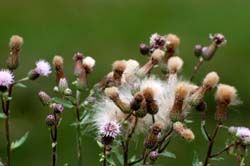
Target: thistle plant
132 101
7 85
64 98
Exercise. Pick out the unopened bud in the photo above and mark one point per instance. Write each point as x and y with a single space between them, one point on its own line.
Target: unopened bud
144 49
153 155
58 108
63 84
44 98
197 50
50 120
67 92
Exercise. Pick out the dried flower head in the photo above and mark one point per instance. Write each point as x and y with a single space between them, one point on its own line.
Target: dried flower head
58 61
187 134
182 90
211 80
110 129
129 74
42 68
112 92
88 63
175 64
148 94
157 56
226 94
119 66
6 78
16 42
218 39
173 41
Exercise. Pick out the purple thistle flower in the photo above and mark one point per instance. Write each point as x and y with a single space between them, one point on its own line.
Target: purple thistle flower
6 78
58 108
110 129
42 68
243 133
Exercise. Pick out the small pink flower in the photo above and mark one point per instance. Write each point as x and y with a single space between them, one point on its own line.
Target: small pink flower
110 129
6 78
243 133
42 68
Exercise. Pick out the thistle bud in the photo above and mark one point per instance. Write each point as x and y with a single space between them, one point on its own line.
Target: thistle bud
44 98
202 106
153 155
198 50
15 45
58 108
144 49
67 92
78 57
225 96
63 84
50 120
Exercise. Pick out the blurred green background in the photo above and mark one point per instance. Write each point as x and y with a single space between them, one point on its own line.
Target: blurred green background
110 30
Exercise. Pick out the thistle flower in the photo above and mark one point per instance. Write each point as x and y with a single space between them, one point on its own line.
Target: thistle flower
153 155
42 69
109 131
243 133
58 63
157 41
15 45
6 79
44 98
209 51
88 63
225 96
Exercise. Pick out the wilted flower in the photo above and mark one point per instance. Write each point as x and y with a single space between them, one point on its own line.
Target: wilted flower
157 41
218 39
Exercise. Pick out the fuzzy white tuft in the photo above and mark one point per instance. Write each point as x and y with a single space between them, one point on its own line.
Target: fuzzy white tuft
211 80
175 64
89 61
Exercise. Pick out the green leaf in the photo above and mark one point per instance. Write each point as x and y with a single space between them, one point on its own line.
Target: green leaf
66 164
19 142
217 158
196 161
99 144
188 121
3 116
20 85
203 123
65 103
168 154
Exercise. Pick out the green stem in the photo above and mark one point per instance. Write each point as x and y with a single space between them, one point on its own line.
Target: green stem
78 129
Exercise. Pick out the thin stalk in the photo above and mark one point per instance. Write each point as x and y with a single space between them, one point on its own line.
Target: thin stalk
196 68
78 129
104 156
211 143
54 142
126 145
224 150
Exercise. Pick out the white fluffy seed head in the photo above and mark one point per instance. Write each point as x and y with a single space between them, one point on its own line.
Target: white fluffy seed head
226 94
175 64
129 74
211 80
157 55
173 41
57 60
89 61
119 65
182 90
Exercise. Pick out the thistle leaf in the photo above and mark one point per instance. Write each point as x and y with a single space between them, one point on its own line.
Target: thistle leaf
3 116
65 103
20 141
20 85
168 154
